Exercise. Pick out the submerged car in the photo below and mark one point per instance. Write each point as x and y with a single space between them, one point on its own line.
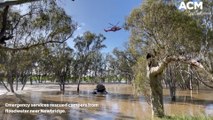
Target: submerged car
100 89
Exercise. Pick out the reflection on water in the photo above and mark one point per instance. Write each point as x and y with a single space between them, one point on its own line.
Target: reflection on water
209 109
119 104
36 98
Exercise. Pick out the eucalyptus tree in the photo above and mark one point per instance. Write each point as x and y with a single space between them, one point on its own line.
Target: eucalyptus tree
173 78
43 22
125 61
43 66
36 25
11 68
206 20
85 46
163 34
112 68
62 61
17 68
25 60
3 60
97 69
34 55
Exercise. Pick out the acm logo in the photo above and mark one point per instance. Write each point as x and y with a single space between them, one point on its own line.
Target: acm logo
191 6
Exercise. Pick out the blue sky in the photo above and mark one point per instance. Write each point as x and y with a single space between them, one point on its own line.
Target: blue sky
95 15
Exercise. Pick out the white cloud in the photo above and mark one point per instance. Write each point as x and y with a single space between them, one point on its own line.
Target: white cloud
80 27
80 30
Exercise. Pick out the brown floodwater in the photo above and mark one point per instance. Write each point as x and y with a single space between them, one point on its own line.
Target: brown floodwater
119 104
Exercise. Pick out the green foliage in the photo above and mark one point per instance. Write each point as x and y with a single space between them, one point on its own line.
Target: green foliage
163 30
88 54
156 26
141 82
188 118
38 24
121 64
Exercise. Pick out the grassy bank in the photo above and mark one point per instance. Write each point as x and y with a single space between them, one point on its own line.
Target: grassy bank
188 118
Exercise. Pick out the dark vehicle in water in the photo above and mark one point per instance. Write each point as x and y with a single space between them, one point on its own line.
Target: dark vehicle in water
100 89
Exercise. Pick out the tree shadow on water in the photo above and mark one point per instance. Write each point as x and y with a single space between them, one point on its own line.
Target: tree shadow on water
188 100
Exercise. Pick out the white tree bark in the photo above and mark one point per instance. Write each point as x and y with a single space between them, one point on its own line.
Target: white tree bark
159 69
154 73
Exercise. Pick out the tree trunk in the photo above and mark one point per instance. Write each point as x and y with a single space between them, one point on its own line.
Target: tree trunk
22 88
5 86
78 87
172 83
16 84
31 77
31 81
24 82
39 78
10 81
17 79
154 73
60 87
11 88
157 95
173 93
190 78
63 88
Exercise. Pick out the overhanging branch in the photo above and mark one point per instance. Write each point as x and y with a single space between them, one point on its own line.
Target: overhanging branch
34 45
15 2
201 80
158 69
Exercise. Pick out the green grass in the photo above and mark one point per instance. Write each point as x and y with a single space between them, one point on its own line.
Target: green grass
187 118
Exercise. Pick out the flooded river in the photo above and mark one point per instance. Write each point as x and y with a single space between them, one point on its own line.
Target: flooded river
119 104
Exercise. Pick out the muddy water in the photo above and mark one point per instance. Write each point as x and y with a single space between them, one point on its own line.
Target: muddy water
119 104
